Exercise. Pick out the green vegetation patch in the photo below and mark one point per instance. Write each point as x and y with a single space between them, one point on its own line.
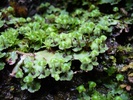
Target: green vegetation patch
46 45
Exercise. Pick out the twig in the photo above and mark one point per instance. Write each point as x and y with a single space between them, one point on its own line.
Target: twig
15 69
26 54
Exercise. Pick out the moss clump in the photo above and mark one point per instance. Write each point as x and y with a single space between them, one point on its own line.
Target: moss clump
46 45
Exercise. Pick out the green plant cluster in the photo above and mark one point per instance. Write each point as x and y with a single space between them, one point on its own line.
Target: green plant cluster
112 92
48 43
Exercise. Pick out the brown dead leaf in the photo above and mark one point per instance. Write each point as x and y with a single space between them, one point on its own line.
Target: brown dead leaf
124 11
20 10
131 65
131 74
125 68
126 86
123 85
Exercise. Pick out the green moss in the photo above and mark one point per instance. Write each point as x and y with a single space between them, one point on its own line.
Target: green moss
47 44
